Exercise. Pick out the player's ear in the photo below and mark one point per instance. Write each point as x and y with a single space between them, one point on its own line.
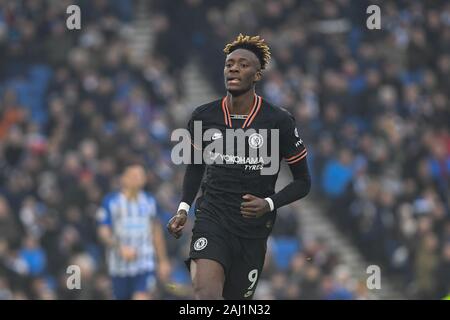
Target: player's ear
258 76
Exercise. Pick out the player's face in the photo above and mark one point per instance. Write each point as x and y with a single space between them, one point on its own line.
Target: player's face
134 178
242 70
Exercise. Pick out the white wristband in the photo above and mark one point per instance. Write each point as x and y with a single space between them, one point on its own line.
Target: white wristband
184 206
271 205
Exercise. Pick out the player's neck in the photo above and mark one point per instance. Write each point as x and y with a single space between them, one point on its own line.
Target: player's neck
240 104
130 194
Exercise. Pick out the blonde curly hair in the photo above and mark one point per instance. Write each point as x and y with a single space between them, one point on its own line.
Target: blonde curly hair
253 43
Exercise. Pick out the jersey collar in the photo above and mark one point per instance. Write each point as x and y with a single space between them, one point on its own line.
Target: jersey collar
257 101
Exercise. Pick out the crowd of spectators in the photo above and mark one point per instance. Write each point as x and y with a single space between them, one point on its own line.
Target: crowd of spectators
372 105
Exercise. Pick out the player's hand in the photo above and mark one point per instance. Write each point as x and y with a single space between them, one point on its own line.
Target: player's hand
176 224
164 270
127 253
254 207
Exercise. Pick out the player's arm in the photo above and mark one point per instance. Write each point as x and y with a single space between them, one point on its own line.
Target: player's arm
294 152
295 190
191 184
106 235
104 225
254 207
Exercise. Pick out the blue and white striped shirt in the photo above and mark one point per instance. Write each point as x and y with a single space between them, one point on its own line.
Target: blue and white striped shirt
130 222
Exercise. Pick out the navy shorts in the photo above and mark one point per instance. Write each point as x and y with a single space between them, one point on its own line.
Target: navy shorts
125 287
241 258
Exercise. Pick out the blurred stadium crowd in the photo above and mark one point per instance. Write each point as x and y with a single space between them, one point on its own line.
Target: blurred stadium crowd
372 106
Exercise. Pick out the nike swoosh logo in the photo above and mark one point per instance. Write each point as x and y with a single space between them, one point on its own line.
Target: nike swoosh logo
214 156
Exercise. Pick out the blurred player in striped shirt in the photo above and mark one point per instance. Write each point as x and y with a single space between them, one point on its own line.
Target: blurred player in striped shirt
134 239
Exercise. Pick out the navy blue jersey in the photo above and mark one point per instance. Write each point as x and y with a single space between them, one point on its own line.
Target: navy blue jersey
229 174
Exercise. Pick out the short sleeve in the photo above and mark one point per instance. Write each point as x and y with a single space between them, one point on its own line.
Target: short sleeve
196 138
103 214
191 128
292 147
151 203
